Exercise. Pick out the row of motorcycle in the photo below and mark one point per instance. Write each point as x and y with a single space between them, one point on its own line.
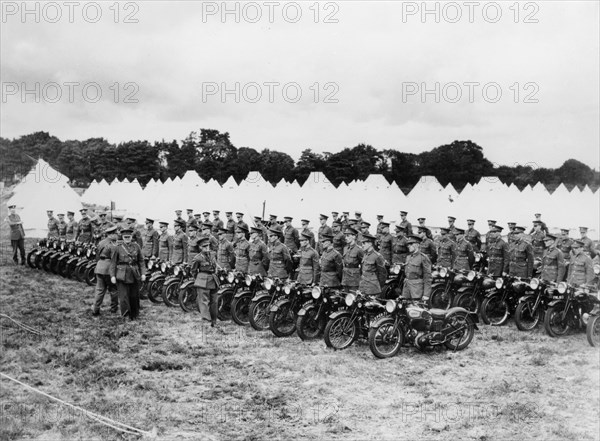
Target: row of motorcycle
448 317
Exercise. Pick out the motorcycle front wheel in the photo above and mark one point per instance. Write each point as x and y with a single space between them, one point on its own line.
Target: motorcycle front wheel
155 291
460 330
308 325
468 301
526 318
170 293
240 310
31 259
187 298
384 340
341 332
593 331
283 321
259 314
554 323
440 299
494 311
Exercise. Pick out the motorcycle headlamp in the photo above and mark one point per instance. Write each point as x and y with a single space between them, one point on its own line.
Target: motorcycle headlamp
350 299
443 272
287 289
230 277
248 280
79 251
478 257
596 269
315 292
471 276
390 306
435 274
176 270
39 244
268 283
499 282
395 269
534 283
150 264
562 287
88 253
163 267
278 288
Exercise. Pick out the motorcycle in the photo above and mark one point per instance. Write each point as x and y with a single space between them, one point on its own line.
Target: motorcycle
74 260
283 314
62 262
90 269
345 326
157 279
53 247
532 306
593 322
500 303
442 288
392 288
235 280
88 252
172 283
570 308
60 250
240 304
262 301
34 255
474 286
312 317
423 327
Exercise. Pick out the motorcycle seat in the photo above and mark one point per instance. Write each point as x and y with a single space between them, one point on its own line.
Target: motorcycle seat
437 313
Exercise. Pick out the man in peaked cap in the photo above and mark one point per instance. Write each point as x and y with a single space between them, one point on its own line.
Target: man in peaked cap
473 236
217 222
358 216
537 239
52 225
446 250
191 218
291 237
240 220
17 234
452 227
399 246
422 225
581 268
352 259
417 283
180 245
331 263
62 226
137 237
491 223
374 273
165 243
344 219
207 283
225 253
497 252
272 221
521 256
206 231
279 256
260 224
258 253
180 219
150 240
379 227
404 223
206 215
511 236
538 218
192 244
564 242
588 245
553 261
71 226
106 248
230 225
323 229
306 230
427 246
85 229
339 240
465 257
309 270
242 249
386 242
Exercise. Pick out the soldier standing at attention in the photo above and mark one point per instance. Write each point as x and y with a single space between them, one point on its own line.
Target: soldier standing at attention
71 227
207 283
446 249
306 231
308 269
165 243
386 243
280 261
191 220
379 227
150 240
324 229
339 240
564 242
106 248
452 227
465 257
272 221
258 253
473 236
132 225
180 245
193 240
581 268
332 266
399 246
345 218
553 261
538 218
127 270
62 227
335 217
240 219
290 234
52 225
352 258
178 218
537 239
358 216
230 226
17 234
404 223
497 251
426 246
421 221
264 235
242 249
85 229
225 253
511 237
217 222
588 245
491 225
374 274
206 215
417 283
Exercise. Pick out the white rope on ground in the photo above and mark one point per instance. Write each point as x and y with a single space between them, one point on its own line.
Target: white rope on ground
24 326
96 417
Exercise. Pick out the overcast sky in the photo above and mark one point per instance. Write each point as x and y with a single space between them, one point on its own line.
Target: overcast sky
374 61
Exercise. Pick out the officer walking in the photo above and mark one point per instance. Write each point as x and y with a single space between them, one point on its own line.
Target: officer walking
374 274
553 261
417 283
106 248
331 263
352 259
17 234
308 269
207 283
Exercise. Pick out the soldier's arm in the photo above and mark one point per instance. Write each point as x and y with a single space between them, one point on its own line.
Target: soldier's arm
560 260
529 251
339 266
184 243
427 279
506 259
471 255
589 271
381 271
155 240
170 246
316 268
112 269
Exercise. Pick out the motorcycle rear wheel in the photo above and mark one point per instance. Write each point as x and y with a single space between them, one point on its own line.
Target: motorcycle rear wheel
307 325
90 275
187 298
240 310
283 321
31 259
593 331
494 311
463 330
440 299
469 302
170 293
384 340
341 332
259 314
553 323
525 318
155 291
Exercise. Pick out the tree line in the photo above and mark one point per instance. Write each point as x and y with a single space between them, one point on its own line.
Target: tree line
212 155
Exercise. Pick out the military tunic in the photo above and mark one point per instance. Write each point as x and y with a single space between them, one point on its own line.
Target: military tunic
521 260
150 243
71 233
104 252
308 269
291 239
406 225
192 249
399 250
428 248
225 255
385 247
352 259
308 232
474 237
230 229
446 252
373 274
553 265
242 255
165 246
259 258
588 246
331 268
279 260
537 243
180 248
217 225
339 242
17 237
323 230
498 257
62 229
52 227
564 244
127 265
581 270
465 258
417 283
85 230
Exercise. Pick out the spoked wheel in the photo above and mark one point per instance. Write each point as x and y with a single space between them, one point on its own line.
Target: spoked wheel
259 314
79 272
70 271
461 331
526 318
187 298
62 267
155 291
90 275
555 321
225 306
170 293
593 331
240 310
440 299
341 332
468 301
494 311
31 259
283 321
384 340
308 325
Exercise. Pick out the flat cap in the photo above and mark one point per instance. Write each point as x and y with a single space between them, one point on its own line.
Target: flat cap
351 230
368 238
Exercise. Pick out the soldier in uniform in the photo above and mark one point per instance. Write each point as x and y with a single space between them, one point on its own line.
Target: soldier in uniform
180 246
119 222
192 244
62 227
179 218
230 226
127 270
404 223
465 257
191 219
564 242
240 219
242 249
206 215
358 217
225 253
537 239
207 283
17 234
335 217
417 284
71 227
538 218
399 246
213 242
324 229
85 229
352 259
132 225
150 240
261 226
290 234
511 237
521 256
452 228
553 261
473 236
308 270
306 230
101 225
446 249
581 268
272 221
52 225
386 243
374 274
217 222
345 219
339 240
491 228
280 261
257 253
427 246
379 227
332 266
106 248
497 251
165 243
422 225
588 245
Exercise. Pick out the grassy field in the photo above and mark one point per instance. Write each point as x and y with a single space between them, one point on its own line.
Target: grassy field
169 374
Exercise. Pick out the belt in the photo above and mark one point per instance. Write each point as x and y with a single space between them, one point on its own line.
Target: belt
306 266
277 261
520 260
177 248
413 277
352 265
256 262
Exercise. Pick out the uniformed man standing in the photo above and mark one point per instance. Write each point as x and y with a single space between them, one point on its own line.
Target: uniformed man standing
417 283
373 274
213 242
351 259
258 253
331 263
17 234
280 261
225 253
242 249
426 246
306 231
538 218
52 225
452 228
207 283
165 243
106 248
191 219
446 249
180 219
193 240
127 271
71 227
465 257
85 229
421 221
335 217
553 261
511 237
386 243
491 224
206 215
240 219
180 246
339 240
132 225
588 245
581 268
473 236
537 239
324 229
150 240
291 236
217 222
358 217
260 224
564 242
345 218
308 268
399 246
404 223
497 252
272 221
379 228
230 226
62 227
521 256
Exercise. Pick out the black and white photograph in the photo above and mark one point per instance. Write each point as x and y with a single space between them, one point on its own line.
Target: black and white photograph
300 220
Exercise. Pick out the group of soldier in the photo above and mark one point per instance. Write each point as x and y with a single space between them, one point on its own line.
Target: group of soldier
344 253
